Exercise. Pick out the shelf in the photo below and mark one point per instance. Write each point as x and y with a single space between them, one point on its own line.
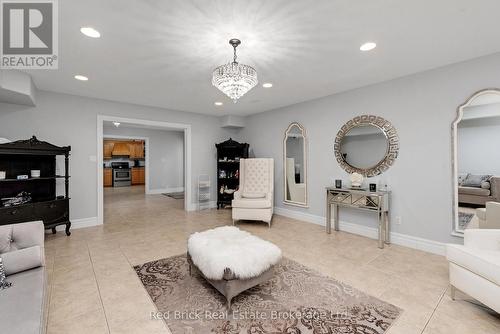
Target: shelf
34 179
229 162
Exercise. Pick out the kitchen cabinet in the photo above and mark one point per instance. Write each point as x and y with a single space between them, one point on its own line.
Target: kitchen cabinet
108 149
138 175
137 149
108 177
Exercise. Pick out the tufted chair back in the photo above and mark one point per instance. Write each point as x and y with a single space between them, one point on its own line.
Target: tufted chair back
257 175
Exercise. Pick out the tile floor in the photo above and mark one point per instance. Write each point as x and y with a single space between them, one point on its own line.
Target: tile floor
93 288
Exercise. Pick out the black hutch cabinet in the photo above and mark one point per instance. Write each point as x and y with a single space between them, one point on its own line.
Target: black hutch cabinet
228 165
41 202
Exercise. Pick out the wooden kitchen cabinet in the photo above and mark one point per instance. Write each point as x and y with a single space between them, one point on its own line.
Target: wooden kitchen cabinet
138 175
108 177
108 149
136 149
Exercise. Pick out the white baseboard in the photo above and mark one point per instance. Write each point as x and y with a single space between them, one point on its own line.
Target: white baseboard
80 223
165 190
409 241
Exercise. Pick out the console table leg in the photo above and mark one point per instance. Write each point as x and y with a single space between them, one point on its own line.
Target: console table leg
328 214
387 231
336 218
380 230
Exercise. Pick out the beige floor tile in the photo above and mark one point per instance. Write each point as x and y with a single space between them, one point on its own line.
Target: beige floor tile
95 287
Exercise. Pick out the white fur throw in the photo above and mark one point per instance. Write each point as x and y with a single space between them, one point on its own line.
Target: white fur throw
244 254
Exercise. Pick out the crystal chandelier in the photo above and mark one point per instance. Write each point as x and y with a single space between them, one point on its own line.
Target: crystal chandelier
234 79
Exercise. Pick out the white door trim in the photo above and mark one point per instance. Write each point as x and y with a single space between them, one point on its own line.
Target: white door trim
188 206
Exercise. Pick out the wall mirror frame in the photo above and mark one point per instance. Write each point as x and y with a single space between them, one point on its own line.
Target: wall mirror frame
295 166
482 95
389 154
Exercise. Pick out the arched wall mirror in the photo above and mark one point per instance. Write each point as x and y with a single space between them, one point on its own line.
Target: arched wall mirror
476 162
295 165
367 145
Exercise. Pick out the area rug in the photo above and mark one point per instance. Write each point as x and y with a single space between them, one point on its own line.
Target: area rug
464 219
178 195
297 300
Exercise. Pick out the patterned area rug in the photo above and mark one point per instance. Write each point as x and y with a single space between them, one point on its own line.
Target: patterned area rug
297 300
464 219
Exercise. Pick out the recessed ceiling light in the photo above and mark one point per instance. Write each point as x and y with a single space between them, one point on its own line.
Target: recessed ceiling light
90 32
117 124
218 103
81 77
368 46
267 85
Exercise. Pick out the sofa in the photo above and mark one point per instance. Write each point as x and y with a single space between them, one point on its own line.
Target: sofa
475 266
23 306
478 193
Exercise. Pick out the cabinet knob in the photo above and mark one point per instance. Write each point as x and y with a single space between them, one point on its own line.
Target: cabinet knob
13 212
52 205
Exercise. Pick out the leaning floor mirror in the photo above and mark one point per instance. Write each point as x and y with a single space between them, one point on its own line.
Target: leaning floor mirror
476 163
295 165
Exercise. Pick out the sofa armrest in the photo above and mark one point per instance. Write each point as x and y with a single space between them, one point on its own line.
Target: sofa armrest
487 239
495 187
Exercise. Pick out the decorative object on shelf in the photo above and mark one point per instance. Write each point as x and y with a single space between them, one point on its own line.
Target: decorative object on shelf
373 187
35 173
356 180
19 158
229 191
2 175
21 198
4 140
22 177
338 184
228 169
367 144
295 165
234 79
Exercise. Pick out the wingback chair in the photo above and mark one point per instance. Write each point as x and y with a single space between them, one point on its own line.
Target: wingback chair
254 198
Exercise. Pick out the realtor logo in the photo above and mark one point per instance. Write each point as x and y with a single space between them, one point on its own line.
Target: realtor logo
29 34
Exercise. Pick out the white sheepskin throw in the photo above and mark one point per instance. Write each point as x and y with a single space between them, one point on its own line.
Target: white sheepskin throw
244 254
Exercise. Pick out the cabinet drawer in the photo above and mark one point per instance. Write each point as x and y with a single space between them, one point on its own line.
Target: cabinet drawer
16 214
52 212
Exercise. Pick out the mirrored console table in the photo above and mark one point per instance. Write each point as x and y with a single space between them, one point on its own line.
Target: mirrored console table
361 199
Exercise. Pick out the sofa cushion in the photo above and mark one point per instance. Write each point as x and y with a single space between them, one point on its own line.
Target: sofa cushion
474 191
23 259
473 180
461 178
18 236
252 203
485 263
486 185
22 306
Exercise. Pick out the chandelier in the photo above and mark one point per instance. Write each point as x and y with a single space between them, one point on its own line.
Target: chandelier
234 79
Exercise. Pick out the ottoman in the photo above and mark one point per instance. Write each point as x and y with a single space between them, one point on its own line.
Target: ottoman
232 260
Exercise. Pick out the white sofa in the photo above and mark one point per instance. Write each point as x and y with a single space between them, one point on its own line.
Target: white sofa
254 198
489 217
23 306
475 266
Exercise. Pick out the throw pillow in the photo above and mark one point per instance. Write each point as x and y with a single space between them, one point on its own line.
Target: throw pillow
3 283
461 178
486 185
475 180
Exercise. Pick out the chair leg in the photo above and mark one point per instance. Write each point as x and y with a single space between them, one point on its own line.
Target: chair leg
453 291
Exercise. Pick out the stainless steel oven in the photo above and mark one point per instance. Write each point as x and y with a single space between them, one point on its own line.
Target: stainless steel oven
122 176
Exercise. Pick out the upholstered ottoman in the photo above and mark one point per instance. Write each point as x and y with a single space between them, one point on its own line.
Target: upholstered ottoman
232 260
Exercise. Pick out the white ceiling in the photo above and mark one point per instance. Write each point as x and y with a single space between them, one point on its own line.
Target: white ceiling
162 53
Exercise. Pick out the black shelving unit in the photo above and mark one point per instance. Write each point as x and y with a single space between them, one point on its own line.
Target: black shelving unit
19 158
228 165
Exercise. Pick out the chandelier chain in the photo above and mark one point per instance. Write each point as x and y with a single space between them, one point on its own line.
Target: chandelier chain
234 58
